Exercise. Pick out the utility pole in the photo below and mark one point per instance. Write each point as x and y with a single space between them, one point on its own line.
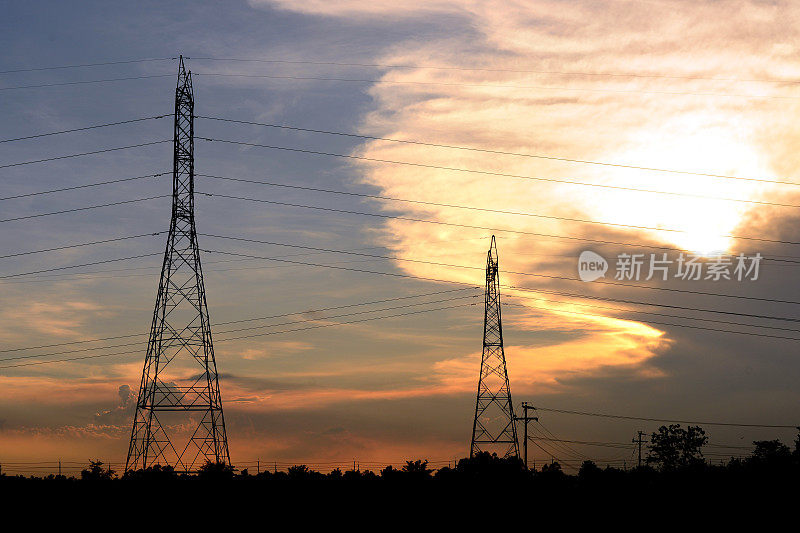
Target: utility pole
525 419
494 428
180 379
638 440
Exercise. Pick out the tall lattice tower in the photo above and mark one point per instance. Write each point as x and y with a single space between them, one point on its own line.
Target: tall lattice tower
494 428
179 397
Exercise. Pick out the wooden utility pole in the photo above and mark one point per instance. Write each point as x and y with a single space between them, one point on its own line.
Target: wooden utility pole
525 418
638 440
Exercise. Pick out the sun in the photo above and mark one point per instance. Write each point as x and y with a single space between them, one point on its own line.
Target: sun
694 216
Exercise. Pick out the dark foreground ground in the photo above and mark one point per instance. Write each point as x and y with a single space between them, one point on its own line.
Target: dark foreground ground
480 487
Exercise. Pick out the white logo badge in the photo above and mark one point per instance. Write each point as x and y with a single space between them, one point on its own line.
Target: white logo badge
591 266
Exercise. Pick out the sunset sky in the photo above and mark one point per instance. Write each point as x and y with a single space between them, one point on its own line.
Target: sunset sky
708 89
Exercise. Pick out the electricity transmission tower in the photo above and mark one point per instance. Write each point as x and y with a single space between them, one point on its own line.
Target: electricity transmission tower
179 399
494 428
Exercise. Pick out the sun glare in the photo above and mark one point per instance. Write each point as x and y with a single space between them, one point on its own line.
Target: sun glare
702 219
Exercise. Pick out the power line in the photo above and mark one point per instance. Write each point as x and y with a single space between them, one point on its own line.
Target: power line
85 153
26 217
545 291
549 453
410 219
618 445
84 82
500 211
495 86
149 234
536 234
751 334
712 329
472 171
351 322
378 197
96 126
247 336
63 189
318 310
671 421
36 363
66 247
564 278
293 322
478 69
624 301
594 306
531 233
250 328
634 302
60 67
628 444
49 277
559 445
347 305
78 266
500 152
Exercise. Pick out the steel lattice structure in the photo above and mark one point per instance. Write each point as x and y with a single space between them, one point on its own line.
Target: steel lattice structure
179 396
494 429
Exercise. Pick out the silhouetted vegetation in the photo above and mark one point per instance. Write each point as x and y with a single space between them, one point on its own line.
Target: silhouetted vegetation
152 473
672 447
215 472
96 472
674 465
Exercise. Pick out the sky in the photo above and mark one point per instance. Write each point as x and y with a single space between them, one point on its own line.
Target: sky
707 89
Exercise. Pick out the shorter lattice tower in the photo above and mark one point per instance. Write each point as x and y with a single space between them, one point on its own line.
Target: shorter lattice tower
494 428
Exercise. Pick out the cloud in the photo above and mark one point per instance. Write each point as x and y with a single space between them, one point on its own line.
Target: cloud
276 349
126 395
122 413
359 8
662 113
46 318
515 76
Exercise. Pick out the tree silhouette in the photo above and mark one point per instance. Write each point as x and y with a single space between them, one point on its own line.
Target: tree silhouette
672 447
390 473
486 464
302 472
215 471
96 472
352 475
771 454
152 473
446 473
589 471
552 468
418 469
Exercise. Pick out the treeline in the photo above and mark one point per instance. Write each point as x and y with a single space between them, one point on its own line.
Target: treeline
674 458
